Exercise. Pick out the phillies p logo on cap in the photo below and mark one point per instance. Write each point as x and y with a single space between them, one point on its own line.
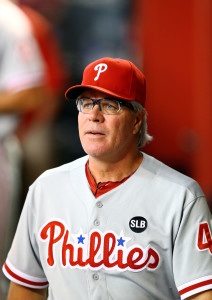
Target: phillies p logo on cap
100 68
116 77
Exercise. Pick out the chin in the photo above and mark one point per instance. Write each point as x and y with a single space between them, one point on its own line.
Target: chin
95 151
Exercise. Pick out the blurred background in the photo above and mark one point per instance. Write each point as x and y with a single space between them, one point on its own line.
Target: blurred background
170 41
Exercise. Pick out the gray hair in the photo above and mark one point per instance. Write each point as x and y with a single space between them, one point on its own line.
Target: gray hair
143 136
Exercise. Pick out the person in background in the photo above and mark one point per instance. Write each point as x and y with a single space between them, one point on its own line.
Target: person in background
38 127
22 92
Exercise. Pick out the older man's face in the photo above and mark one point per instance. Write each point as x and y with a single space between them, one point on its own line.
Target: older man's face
108 136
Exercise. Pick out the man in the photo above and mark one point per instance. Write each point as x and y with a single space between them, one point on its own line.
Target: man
116 224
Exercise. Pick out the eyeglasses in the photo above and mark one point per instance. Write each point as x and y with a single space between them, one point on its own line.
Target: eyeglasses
106 106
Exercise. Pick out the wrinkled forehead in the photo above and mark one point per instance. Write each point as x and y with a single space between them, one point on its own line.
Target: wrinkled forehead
94 94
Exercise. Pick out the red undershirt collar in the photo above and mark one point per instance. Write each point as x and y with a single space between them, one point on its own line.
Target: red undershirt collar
101 188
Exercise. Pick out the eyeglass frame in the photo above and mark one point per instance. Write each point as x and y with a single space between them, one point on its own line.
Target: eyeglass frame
94 102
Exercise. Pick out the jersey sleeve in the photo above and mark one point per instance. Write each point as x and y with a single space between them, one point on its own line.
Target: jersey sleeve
192 254
22 65
23 264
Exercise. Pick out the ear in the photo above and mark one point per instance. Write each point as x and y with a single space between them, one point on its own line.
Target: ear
138 120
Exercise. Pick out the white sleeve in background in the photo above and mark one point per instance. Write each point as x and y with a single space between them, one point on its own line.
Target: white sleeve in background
21 64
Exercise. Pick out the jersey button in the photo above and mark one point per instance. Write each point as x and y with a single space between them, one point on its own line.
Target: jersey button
96 222
99 204
95 276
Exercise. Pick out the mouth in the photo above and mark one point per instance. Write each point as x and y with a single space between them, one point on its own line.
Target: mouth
94 133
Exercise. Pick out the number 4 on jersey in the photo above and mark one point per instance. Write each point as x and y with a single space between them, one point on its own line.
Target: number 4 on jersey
204 238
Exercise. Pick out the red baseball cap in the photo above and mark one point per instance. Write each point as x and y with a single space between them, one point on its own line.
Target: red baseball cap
117 77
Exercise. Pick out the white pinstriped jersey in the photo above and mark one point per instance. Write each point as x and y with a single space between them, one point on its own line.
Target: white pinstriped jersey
149 238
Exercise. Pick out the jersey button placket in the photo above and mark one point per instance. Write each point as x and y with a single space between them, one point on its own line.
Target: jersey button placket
96 222
95 276
99 204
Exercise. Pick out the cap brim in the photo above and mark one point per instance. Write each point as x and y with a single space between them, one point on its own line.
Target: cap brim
73 92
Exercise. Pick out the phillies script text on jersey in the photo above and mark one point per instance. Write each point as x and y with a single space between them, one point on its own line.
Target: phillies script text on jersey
96 250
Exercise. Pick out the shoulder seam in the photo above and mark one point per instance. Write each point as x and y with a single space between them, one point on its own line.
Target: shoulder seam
193 200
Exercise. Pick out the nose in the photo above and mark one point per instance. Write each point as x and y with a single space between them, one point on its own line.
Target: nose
95 114
97 103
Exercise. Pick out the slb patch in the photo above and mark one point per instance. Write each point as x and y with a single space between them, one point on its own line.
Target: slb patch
138 224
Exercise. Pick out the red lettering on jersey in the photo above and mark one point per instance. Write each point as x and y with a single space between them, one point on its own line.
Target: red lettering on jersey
152 253
51 226
132 262
121 265
94 239
67 247
95 251
109 250
204 237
